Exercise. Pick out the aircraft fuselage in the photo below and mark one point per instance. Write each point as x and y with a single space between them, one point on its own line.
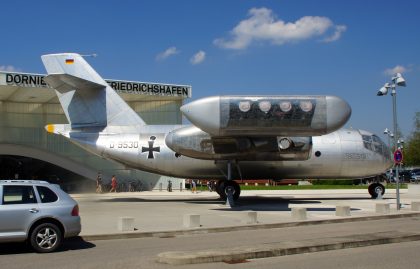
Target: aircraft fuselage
345 153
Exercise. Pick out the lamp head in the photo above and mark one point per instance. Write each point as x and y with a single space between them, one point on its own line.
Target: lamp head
386 131
399 80
384 89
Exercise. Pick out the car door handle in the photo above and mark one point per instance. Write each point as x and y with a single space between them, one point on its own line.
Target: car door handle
33 210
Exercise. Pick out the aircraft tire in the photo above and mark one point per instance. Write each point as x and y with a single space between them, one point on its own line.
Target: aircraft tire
223 184
218 188
373 189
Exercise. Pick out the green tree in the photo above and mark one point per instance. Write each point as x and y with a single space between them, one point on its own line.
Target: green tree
412 148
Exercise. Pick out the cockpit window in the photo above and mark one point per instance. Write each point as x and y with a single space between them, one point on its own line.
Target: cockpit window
367 141
374 143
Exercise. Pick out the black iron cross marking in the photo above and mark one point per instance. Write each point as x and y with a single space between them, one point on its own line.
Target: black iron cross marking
150 149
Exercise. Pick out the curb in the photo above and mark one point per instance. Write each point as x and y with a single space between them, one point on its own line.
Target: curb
241 254
174 233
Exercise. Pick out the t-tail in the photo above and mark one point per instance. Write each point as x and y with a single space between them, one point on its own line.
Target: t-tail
89 103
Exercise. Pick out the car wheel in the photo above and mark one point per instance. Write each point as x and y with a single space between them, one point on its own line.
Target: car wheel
45 238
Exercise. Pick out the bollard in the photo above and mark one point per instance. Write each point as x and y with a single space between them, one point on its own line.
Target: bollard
342 210
250 217
382 208
191 221
180 186
126 224
299 213
160 186
415 206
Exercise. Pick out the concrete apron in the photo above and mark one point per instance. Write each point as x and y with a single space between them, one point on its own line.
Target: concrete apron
192 231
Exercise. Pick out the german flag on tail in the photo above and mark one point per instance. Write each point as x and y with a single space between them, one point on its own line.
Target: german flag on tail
69 61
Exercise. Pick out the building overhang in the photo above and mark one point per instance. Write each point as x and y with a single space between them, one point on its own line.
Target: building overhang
31 88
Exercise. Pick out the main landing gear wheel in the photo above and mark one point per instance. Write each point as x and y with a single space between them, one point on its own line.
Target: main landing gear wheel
376 188
223 186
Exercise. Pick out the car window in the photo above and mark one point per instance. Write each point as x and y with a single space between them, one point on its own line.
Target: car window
18 195
46 195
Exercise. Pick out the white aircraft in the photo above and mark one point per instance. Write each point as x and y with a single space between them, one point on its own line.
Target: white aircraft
247 137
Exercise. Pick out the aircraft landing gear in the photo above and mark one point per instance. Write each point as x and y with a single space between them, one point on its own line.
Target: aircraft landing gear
228 189
224 186
376 188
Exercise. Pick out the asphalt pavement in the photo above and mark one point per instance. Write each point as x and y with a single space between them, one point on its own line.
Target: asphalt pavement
146 252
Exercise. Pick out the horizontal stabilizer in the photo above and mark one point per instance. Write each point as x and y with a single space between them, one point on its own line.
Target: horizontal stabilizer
62 129
65 82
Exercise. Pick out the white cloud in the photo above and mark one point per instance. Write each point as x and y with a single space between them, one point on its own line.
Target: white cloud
199 57
396 69
339 29
9 68
263 26
167 53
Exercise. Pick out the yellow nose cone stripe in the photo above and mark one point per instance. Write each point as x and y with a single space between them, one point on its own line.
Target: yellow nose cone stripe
50 128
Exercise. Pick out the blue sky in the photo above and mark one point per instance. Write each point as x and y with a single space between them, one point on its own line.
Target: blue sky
344 48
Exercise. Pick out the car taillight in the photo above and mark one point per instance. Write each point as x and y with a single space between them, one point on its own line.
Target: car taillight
75 211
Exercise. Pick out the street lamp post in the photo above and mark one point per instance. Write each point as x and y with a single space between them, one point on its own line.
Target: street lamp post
396 80
389 135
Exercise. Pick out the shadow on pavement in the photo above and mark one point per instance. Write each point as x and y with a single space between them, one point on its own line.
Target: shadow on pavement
75 243
279 204
245 199
142 200
256 203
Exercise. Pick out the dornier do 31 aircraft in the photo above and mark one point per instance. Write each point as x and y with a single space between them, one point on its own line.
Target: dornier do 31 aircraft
246 137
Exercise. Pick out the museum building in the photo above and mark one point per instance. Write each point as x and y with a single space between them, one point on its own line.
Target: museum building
28 151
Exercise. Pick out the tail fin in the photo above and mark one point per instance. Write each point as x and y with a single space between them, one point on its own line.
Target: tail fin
86 98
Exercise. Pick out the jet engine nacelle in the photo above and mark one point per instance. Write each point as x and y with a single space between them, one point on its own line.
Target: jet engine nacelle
195 143
268 115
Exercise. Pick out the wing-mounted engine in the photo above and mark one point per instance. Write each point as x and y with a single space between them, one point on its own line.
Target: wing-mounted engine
268 115
195 143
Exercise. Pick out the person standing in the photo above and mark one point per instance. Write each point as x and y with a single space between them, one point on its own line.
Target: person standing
113 184
99 183
194 186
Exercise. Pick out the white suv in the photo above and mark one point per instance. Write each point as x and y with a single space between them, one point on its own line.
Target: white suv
37 212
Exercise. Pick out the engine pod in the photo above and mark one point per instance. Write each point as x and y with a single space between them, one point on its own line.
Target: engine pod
268 115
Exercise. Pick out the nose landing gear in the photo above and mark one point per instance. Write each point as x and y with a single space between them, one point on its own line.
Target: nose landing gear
375 189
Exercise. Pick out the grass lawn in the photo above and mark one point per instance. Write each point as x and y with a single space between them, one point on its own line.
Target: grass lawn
317 187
